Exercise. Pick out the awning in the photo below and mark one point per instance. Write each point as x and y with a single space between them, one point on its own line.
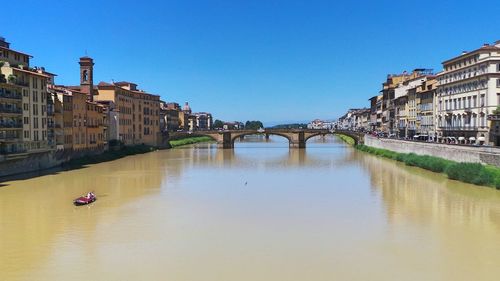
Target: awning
461 138
481 139
472 138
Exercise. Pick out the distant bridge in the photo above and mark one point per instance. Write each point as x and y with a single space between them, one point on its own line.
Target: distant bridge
297 138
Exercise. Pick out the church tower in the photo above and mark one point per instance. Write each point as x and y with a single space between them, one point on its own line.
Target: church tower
87 77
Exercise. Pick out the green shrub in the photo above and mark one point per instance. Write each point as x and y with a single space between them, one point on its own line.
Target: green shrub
191 140
347 139
474 173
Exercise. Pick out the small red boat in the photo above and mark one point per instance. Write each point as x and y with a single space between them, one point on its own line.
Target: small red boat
84 200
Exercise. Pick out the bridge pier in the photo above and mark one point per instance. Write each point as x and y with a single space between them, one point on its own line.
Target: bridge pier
298 144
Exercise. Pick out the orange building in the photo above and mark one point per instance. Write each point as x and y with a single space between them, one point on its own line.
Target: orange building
139 112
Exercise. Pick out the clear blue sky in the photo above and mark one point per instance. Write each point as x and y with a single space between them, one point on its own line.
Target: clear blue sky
266 60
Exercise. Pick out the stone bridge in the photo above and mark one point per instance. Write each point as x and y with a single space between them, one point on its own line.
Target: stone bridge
297 138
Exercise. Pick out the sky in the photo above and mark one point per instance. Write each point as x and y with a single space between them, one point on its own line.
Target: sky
274 61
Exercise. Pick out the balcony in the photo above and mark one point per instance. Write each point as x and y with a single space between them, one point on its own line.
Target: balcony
11 126
459 128
11 110
19 83
10 137
10 95
426 107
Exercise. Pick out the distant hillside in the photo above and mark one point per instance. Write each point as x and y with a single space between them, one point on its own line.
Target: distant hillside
290 126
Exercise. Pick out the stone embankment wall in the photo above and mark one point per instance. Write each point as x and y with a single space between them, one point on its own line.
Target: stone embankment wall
458 153
40 161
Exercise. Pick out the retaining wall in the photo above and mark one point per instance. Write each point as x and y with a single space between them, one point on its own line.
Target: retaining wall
485 155
40 161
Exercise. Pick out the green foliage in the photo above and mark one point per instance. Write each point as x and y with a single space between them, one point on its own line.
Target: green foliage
346 139
116 142
218 124
497 110
12 78
253 125
191 140
430 163
466 172
474 173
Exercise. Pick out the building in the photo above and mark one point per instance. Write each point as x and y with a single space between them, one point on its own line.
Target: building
186 120
426 108
139 112
406 102
203 121
235 125
111 121
169 116
84 120
11 118
376 113
467 92
15 70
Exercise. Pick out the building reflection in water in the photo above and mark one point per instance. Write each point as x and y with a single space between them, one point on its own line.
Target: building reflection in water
460 220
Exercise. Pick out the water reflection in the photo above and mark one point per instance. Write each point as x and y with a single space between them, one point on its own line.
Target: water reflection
258 212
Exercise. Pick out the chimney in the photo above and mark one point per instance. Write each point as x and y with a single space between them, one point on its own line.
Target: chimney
4 43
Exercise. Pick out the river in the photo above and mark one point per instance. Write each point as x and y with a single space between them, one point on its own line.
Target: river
258 212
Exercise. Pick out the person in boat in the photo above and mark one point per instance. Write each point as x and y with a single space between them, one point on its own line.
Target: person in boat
90 195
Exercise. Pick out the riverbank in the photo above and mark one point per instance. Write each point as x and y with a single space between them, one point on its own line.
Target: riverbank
190 140
346 139
474 173
109 155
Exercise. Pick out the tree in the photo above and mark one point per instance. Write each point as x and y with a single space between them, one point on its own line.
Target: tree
253 125
497 110
218 124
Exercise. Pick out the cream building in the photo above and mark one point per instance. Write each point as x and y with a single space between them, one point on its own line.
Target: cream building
468 91
15 67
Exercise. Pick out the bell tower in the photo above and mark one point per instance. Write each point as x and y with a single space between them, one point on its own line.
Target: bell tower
87 77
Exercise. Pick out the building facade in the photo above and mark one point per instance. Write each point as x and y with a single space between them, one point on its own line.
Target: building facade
468 91
139 121
16 71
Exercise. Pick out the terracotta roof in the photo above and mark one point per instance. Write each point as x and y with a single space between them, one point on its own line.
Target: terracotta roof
30 72
124 83
3 48
104 84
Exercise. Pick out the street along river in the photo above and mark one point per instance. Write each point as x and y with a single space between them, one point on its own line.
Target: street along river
258 212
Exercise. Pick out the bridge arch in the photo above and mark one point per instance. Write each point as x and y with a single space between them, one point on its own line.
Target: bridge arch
296 138
239 135
353 135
